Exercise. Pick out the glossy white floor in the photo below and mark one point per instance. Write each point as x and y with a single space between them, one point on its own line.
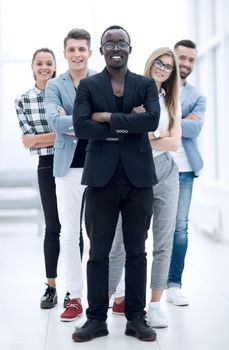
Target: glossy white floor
204 325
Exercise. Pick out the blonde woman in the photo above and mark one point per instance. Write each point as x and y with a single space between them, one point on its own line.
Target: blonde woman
163 68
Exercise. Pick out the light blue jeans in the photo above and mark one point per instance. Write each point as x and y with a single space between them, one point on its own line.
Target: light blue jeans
180 243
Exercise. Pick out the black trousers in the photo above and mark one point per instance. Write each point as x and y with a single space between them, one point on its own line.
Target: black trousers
47 188
102 209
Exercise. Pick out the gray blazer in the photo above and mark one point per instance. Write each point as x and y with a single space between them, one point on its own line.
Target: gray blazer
192 101
60 91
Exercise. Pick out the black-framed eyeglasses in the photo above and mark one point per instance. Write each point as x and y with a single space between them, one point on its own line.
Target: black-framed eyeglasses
109 45
159 64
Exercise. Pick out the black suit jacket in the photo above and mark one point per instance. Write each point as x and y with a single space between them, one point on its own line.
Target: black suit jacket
125 136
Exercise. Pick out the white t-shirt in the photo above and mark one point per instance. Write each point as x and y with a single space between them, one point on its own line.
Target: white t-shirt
181 159
164 119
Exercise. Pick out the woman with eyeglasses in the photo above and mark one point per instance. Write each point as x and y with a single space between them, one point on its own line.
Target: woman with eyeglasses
163 68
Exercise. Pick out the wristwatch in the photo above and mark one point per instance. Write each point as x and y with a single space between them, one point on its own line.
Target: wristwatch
157 133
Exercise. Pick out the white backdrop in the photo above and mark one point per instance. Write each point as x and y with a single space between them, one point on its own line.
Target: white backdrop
27 25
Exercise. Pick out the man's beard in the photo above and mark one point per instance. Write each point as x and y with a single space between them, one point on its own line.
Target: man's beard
184 75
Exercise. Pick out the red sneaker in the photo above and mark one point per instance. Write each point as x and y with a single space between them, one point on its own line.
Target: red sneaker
72 312
119 308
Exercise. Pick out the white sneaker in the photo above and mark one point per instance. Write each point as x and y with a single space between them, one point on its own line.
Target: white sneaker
155 316
174 296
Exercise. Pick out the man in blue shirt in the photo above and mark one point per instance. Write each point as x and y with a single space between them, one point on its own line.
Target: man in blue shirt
189 163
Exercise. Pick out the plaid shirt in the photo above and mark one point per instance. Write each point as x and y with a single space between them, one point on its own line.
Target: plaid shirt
30 108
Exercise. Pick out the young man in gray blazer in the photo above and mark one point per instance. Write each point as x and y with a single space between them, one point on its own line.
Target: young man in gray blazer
119 172
68 165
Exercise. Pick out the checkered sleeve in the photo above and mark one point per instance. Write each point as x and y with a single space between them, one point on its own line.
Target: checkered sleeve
30 109
22 117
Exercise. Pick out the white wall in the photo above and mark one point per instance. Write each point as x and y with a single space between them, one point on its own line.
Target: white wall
26 25
211 193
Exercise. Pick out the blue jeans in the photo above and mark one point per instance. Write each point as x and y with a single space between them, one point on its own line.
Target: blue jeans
180 242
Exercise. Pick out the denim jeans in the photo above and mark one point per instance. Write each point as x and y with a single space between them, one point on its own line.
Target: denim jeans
180 242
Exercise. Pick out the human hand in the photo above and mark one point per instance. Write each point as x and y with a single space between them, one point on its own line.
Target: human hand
192 116
139 109
61 110
28 140
163 133
101 117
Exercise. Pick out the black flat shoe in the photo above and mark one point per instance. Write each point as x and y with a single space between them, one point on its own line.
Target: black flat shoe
139 328
66 300
49 299
91 329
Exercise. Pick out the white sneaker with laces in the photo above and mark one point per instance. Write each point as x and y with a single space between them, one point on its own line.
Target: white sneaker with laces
155 316
174 296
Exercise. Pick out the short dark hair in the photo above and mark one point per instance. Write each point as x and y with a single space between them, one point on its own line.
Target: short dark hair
112 28
187 43
78 33
45 49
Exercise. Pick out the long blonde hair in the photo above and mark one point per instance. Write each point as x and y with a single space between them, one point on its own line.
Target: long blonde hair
171 85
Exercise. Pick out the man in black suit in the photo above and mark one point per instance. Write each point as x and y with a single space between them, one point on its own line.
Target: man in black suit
119 172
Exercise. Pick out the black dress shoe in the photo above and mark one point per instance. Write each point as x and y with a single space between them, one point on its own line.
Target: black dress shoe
91 329
139 328
66 300
49 299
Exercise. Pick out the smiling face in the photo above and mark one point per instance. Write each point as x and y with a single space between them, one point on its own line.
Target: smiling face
77 54
162 69
115 48
43 67
186 60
